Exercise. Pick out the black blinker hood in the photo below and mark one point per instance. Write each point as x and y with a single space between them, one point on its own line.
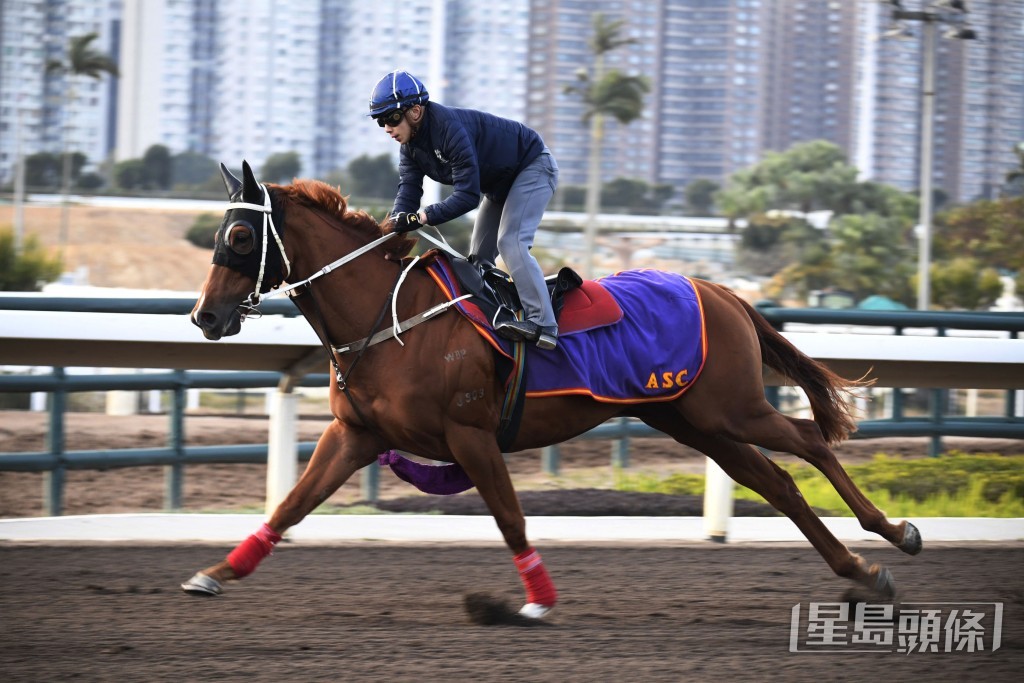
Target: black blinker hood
248 191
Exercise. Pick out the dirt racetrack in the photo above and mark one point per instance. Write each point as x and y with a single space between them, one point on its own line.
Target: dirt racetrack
376 612
394 612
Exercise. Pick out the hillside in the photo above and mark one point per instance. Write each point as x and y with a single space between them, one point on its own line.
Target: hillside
134 248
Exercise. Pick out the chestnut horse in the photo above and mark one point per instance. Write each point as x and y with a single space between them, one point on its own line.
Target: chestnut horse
406 396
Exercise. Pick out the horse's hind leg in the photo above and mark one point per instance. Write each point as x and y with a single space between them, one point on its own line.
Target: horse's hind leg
339 453
747 466
755 421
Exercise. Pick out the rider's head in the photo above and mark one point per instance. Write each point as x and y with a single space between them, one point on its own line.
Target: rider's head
397 102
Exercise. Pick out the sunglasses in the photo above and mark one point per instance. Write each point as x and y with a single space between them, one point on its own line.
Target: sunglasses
392 118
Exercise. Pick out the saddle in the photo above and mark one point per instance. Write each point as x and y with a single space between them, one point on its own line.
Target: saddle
579 304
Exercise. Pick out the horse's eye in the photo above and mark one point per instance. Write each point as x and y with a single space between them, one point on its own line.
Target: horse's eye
240 238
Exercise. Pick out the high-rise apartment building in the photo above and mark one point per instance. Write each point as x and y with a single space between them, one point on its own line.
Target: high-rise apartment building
22 68
709 89
558 49
992 110
52 111
236 79
486 56
155 105
810 73
978 98
266 80
360 42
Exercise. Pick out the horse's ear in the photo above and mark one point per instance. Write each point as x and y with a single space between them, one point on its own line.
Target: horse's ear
231 183
251 191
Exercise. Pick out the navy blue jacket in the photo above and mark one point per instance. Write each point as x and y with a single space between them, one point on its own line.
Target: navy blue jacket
475 152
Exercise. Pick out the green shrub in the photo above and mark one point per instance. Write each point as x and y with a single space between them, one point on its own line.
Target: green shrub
29 270
204 230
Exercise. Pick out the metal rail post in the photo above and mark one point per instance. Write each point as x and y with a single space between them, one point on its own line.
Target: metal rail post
550 460
620 445
174 473
53 480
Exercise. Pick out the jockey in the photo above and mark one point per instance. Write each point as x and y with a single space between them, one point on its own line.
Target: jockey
480 155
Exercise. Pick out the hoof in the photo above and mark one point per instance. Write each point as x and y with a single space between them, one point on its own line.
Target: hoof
884 585
202 585
911 543
533 610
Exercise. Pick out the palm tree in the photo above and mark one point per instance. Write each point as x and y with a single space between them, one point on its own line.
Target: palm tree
610 93
1015 177
81 60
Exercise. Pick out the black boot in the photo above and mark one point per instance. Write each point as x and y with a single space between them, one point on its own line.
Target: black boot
517 330
547 337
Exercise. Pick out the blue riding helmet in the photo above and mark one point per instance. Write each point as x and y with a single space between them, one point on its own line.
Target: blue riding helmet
397 90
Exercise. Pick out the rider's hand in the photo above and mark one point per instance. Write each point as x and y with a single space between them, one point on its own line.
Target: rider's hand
406 222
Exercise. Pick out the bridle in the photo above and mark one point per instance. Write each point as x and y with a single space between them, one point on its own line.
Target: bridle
252 302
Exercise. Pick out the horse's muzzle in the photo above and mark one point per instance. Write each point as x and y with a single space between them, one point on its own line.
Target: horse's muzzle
214 325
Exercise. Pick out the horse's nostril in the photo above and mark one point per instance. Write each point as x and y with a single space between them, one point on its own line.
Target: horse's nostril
206 319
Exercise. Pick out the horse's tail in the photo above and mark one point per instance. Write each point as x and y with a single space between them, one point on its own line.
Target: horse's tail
826 390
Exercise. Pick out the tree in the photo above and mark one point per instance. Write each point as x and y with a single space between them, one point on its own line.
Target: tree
866 248
700 196
157 168
1014 186
43 170
610 93
29 270
989 231
81 60
281 167
130 174
769 244
811 176
372 177
965 284
637 196
192 168
871 254
204 230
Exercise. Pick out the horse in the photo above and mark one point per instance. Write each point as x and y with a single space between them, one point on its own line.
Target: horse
434 391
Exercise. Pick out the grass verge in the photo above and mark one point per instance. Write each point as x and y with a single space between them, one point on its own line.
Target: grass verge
953 485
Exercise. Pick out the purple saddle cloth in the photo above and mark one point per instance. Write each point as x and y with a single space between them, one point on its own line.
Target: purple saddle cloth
654 353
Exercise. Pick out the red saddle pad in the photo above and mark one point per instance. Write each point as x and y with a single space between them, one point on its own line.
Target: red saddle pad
588 307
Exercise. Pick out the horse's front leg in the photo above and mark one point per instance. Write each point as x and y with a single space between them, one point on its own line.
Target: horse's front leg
340 452
476 450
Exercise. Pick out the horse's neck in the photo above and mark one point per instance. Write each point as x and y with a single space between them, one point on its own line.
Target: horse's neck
351 298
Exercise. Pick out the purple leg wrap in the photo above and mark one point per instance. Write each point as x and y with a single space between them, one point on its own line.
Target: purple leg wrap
441 480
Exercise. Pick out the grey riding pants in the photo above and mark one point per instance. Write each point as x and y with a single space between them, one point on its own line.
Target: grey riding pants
507 228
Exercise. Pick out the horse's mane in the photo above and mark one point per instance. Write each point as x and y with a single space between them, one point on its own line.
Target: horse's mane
315 194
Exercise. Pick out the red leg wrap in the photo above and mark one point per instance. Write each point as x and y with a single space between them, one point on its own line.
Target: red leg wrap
539 588
250 552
